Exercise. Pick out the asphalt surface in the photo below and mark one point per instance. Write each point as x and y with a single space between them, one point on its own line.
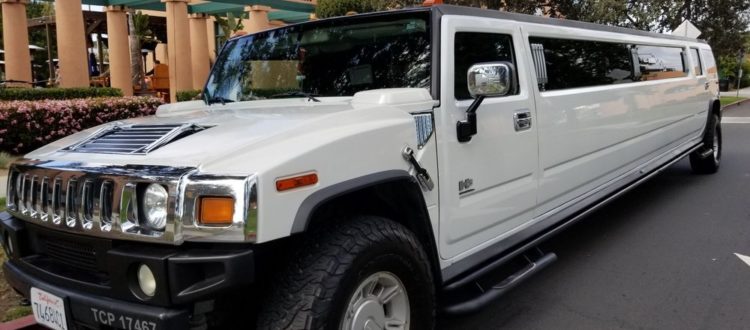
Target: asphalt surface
660 257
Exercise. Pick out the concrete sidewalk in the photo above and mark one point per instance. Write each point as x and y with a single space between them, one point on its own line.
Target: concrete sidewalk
745 92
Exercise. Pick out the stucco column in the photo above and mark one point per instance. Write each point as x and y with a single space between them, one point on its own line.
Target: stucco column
71 44
178 48
199 49
16 41
257 20
119 50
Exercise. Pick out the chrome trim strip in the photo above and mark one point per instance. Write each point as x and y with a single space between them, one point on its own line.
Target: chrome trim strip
43 202
57 202
168 137
33 196
23 196
251 208
85 207
236 187
128 207
71 214
104 206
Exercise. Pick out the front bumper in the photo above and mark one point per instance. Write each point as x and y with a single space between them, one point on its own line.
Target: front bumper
94 311
96 277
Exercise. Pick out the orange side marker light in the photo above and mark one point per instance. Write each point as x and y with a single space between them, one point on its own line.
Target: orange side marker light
296 182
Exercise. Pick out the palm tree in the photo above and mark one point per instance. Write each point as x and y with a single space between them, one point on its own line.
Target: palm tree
138 25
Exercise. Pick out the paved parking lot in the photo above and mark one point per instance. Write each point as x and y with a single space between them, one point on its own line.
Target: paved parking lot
661 257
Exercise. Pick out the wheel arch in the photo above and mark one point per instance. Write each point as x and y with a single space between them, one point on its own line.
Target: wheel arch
393 194
715 108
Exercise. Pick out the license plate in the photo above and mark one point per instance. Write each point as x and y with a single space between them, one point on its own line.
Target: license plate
49 309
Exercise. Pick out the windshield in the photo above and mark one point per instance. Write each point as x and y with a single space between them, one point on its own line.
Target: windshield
336 57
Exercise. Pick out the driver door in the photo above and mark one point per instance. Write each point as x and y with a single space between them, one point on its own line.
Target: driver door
489 184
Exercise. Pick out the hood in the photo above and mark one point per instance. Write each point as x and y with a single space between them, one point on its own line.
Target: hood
244 126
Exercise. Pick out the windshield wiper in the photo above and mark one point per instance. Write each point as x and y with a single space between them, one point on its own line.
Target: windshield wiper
219 99
309 96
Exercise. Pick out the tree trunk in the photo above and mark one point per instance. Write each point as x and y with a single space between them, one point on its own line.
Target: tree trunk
136 60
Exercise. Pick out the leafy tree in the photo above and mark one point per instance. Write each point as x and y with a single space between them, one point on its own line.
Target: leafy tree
229 25
722 22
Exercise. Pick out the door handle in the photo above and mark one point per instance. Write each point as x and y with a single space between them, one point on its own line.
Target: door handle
522 120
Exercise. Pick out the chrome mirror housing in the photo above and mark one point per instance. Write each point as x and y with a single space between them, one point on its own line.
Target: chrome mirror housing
490 79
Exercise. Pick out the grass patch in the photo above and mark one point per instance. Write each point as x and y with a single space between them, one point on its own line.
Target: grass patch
16 312
729 99
9 304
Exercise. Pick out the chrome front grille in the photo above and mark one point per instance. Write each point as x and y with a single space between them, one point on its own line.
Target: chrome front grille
71 196
133 139
88 200
103 201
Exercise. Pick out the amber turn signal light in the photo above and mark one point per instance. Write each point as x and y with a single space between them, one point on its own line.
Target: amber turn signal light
216 211
296 182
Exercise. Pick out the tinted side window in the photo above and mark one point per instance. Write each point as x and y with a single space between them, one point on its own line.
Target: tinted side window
710 63
658 62
472 48
580 63
697 59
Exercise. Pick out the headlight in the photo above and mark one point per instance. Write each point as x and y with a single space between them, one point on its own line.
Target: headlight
146 280
155 206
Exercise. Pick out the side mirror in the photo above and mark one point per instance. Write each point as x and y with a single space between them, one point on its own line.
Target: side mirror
490 79
484 80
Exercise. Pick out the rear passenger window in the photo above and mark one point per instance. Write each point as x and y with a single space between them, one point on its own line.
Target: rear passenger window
657 62
709 62
472 48
581 63
697 63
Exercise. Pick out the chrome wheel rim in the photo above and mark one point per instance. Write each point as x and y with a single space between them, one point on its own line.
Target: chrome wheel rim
379 302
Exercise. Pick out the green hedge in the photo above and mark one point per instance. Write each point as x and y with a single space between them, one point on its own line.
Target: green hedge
188 95
33 94
27 125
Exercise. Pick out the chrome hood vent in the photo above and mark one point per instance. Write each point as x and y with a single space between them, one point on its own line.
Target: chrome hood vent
133 139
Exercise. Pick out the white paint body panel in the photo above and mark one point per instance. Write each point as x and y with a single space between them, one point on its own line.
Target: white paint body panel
581 141
501 162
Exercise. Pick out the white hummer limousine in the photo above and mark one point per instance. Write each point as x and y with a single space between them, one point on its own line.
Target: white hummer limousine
360 172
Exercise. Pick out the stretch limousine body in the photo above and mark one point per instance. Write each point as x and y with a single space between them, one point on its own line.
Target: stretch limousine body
357 172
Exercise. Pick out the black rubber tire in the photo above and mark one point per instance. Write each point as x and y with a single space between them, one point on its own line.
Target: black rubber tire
312 293
709 164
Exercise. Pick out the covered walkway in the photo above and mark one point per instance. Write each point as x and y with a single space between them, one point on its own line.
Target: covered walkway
188 23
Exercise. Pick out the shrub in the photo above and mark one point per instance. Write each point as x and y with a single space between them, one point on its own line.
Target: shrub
32 94
5 159
27 125
188 95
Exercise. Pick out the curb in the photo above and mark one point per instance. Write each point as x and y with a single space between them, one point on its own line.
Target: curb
735 104
24 323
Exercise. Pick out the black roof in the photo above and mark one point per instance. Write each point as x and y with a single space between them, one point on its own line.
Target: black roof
472 11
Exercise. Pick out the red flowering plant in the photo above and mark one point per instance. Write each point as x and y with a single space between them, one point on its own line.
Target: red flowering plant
27 125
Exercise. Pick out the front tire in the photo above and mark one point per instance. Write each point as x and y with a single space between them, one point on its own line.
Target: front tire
707 159
365 272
